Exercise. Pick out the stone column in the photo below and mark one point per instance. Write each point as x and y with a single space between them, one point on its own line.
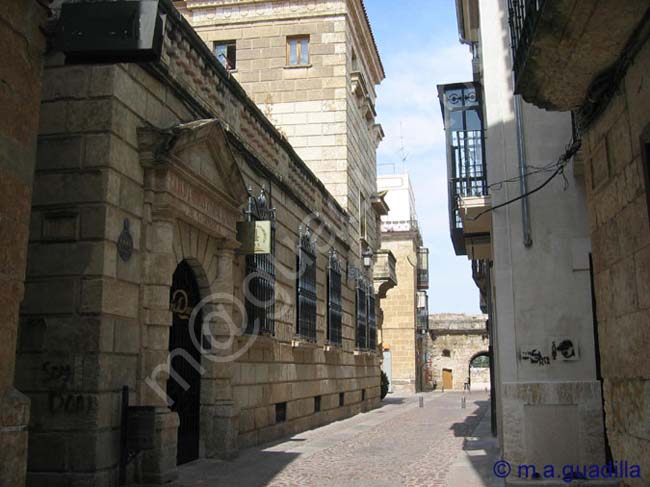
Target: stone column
20 71
223 414
158 465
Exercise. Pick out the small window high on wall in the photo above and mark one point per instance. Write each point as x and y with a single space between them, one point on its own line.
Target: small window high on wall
226 53
298 50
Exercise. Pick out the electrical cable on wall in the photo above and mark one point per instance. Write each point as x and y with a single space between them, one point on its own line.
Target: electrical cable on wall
561 164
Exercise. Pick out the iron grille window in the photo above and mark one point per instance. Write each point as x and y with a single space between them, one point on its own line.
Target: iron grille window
306 287
362 316
372 321
259 288
334 308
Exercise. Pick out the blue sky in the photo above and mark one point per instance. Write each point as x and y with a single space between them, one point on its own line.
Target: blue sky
418 43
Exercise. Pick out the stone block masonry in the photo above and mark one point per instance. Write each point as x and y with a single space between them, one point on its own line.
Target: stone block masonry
453 341
20 86
324 107
616 155
142 168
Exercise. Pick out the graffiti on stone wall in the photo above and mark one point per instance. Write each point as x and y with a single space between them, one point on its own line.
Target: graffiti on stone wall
71 403
564 349
534 355
59 378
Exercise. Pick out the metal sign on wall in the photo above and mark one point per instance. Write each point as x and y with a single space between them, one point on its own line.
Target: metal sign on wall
109 31
254 236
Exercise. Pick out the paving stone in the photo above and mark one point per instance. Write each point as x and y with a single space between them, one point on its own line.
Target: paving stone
396 445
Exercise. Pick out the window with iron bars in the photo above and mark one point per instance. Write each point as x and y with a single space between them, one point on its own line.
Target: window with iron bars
372 321
334 308
306 287
259 285
362 316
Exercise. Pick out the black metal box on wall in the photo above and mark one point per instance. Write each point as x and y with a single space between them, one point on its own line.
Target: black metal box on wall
110 32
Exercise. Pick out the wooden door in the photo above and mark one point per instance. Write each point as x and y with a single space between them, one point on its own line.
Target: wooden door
447 379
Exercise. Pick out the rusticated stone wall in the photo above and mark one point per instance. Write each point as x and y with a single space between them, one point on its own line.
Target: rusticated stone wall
616 155
325 108
20 87
453 340
167 147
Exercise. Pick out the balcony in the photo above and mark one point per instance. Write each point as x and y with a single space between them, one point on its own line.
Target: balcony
423 269
462 112
385 273
423 311
566 51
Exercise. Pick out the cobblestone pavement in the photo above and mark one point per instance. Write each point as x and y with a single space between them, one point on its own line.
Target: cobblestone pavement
397 445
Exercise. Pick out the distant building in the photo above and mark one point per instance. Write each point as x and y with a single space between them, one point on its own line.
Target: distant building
405 310
454 348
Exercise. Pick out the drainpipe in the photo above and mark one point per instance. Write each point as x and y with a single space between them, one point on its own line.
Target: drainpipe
523 185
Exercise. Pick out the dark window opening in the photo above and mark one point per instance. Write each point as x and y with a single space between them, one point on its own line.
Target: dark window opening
226 53
281 412
362 316
341 399
317 401
446 353
334 307
306 287
372 321
645 147
363 394
259 285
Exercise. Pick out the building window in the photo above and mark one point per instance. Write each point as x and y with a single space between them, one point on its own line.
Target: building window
306 286
297 50
281 412
372 320
446 353
363 394
259 285
363 217
341 399
226 53
334 308
362 316
317 401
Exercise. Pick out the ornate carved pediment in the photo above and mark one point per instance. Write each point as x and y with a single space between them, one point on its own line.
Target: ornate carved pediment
201 150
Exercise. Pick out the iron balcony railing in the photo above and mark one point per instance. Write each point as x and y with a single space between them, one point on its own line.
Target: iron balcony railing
423 268
523 16
462 110
422 315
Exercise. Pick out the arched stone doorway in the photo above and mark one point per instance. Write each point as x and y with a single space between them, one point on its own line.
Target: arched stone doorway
478 371
184 384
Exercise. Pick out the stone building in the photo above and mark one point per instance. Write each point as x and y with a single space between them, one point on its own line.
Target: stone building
405 309
605 85
151 333
518 212
312 68
23 44
453 345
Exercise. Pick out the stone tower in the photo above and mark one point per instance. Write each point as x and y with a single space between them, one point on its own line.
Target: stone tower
311 67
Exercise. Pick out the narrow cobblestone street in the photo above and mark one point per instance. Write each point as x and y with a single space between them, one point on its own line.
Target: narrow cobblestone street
399 444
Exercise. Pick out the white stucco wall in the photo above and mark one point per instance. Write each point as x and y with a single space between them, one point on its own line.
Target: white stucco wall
541 292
